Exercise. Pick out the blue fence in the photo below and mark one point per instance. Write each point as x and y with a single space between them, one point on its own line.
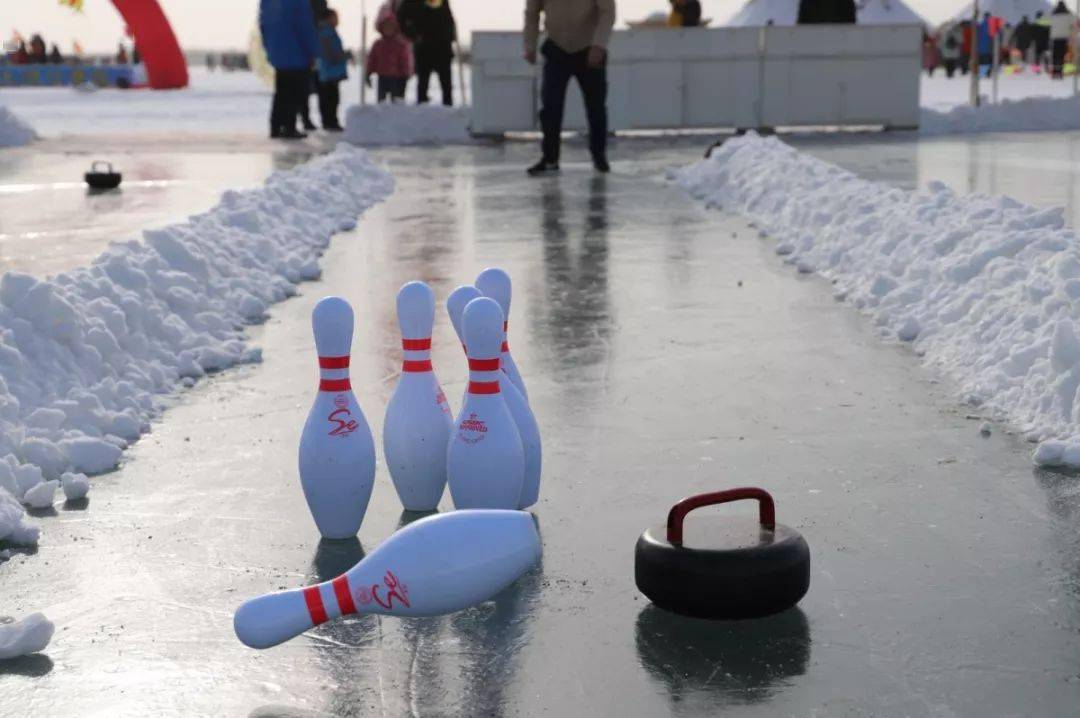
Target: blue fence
44 75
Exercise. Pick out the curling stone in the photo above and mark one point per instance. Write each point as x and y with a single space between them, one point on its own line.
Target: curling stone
98 179
730 568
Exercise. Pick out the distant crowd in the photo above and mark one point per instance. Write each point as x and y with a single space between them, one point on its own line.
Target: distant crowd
34 52
1044 43
416 38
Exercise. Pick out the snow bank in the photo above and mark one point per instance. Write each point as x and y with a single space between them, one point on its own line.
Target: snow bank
986 288
13 131
400 124
30 635
86 356
1025 115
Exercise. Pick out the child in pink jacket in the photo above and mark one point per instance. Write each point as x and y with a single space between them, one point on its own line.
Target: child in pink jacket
390 58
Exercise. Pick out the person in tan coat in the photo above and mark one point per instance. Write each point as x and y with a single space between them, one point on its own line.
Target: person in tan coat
576 47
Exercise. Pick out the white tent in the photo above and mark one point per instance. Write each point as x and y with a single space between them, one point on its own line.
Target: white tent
785 12
886 12
1011 10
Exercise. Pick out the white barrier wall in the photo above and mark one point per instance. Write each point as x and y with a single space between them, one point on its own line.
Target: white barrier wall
725 77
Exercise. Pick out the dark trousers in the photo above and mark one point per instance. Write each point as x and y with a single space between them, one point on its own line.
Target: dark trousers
392 87
311 86
329 98
1058 48
559 67
290 90
424 68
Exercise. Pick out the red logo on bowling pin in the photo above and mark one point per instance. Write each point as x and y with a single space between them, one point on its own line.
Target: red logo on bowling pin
472 430
394 589
342 417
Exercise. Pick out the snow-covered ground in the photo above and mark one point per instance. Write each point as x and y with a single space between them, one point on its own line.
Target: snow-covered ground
239 103
86 356
13 131
401 124
986 289
214 103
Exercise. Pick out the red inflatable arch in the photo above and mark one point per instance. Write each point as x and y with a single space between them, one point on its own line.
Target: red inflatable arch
166 68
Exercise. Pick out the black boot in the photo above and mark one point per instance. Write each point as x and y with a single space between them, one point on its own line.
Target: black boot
543 167
601 164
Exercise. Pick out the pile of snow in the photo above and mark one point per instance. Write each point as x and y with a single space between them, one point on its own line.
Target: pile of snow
1026 115
21 638
400 124
986 288
86 356
13 131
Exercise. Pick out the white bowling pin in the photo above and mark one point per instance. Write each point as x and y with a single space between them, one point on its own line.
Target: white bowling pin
485 462
439 564
523 415
337 453
495 283
418 418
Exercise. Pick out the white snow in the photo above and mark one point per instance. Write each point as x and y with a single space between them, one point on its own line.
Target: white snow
401 124
1026 115
76 486
29 635
42 495
13 131
985 288
13 527
85 356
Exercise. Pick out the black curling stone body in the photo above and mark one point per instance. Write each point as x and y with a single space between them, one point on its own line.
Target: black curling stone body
731 568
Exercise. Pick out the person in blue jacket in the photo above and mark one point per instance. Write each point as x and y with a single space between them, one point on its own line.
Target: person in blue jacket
332 70
288 34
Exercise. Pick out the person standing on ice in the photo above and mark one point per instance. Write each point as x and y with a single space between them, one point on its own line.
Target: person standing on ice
429 24
390 58
576 47
288 33
333 68
1062 23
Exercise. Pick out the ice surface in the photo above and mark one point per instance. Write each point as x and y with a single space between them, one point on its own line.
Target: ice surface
86 355
986 288
400 124
13 131
29 635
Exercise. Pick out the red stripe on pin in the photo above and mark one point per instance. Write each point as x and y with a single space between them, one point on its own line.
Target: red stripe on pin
315 607
483 387
484 364
506 325
334 362
335 385
343 595
416 366
505 347
416 345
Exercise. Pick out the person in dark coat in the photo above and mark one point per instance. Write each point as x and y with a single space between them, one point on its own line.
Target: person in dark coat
333 68
319 9
429 24
288 33
817 12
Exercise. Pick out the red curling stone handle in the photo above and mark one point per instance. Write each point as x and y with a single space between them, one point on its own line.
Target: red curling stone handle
766 508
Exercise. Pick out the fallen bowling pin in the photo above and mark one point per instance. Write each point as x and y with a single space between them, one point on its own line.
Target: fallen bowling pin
418 419
495 283
524 419
485 461
439 564
337 452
